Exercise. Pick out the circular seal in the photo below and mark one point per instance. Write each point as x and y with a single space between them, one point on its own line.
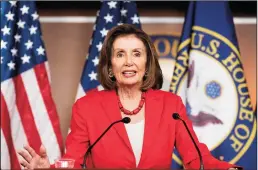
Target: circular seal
210 79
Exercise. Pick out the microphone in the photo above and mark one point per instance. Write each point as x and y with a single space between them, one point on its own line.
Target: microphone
125 120
176 117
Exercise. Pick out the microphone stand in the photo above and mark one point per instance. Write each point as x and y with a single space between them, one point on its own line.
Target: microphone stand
176 117
124 120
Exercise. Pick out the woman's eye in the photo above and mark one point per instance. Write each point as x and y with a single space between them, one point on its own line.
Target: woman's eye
119 55
137 54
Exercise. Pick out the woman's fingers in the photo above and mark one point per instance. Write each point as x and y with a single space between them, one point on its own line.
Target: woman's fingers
25 156
30 150
25 164
42 151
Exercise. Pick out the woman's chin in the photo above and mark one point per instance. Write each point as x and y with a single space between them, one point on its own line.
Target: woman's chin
130 83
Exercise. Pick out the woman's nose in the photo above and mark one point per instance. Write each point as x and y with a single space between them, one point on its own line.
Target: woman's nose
128 61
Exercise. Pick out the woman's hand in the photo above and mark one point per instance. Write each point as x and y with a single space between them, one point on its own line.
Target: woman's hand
32 160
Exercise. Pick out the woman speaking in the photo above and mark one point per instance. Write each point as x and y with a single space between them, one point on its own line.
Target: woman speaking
132 78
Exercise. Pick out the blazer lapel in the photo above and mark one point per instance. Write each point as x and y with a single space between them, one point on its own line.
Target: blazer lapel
153 113
111 108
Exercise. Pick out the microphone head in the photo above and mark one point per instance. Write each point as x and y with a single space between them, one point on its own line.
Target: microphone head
126 120
175 116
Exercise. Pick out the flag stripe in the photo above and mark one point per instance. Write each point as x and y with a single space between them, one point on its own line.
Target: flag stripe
5 160
40 112
48 71
44 87
100 87
80 92
5 125
26 114
17 132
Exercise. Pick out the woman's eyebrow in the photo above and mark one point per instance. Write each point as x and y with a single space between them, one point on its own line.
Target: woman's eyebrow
118 49
138 49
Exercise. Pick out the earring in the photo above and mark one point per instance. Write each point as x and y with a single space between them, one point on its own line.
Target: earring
146 74
110 74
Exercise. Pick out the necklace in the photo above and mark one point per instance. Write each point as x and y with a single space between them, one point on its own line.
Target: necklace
135 111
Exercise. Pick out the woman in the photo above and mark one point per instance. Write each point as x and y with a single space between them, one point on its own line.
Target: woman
130 73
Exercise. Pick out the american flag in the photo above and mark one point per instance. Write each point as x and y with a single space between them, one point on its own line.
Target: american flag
28 113
112 13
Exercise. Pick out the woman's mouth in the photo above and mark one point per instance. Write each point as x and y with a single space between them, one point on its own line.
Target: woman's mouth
128 74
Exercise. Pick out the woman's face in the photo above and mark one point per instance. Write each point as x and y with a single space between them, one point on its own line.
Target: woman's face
128 60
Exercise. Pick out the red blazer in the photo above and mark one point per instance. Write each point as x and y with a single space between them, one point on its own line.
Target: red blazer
93 113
